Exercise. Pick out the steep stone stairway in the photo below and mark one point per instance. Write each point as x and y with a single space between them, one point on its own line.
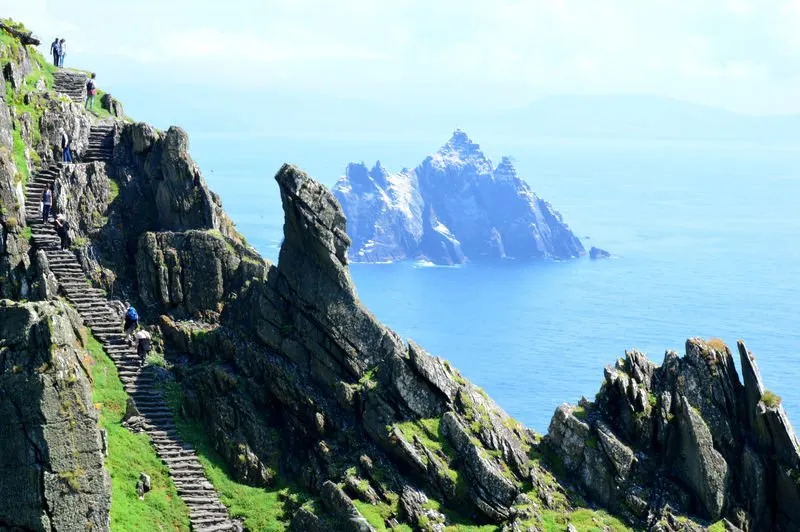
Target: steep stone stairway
207 514
101 144
70 83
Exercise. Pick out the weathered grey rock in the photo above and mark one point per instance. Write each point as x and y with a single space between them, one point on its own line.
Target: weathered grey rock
453 207
597 253
704 442
51 455
192 272
703 467
143 485
340 505
413 505
112 105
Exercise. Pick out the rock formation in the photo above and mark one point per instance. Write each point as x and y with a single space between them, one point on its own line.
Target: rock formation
51 451
597 253
687 435
454 206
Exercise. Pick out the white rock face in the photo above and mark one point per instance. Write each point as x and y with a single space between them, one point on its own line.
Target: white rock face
453 207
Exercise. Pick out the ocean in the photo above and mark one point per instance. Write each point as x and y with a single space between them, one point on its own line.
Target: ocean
705 241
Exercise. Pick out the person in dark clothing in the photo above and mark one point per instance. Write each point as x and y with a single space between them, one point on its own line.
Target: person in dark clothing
65 142
62 229
54 51
47 202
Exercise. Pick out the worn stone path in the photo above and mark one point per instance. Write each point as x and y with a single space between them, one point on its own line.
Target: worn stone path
70 83
207 514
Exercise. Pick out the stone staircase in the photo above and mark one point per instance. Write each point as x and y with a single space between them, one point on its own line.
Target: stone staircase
71 83
207 514
101 144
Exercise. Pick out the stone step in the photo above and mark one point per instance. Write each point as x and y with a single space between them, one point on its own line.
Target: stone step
216 528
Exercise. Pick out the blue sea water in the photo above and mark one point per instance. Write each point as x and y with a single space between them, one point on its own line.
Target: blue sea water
705 239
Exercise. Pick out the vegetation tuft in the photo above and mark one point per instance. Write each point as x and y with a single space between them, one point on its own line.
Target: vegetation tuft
770 399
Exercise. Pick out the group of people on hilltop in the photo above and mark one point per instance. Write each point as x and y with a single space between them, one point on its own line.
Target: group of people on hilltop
58 50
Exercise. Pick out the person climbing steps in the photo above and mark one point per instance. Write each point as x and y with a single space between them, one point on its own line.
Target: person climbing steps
143 344
47 202
131 322
62 229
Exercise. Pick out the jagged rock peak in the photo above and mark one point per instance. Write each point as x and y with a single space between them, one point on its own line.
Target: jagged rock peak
379 173
505 171
460 150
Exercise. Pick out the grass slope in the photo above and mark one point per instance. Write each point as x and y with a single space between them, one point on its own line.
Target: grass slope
267 510
129 454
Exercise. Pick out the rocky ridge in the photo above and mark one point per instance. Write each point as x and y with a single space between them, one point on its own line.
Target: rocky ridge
453 207
292 378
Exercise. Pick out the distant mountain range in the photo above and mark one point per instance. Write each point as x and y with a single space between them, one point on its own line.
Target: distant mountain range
643 117
600 116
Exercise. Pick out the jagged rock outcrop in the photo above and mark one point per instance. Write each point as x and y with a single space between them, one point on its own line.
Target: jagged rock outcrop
686 435
454 206
51 452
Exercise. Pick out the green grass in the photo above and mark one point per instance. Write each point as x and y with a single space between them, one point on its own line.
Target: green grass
27 234
259 508
377 514
20 161
719 526
584 520
770 399
97 108
130 454
114 186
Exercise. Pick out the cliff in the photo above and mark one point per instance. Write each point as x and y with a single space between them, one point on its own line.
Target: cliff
290 385
52 451
454 206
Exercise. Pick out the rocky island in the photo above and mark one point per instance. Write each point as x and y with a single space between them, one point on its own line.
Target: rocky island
282 403
453 207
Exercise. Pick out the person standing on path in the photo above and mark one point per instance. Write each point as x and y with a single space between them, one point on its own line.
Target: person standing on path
91 91
47 202
62 51
62 229
66 154
54 48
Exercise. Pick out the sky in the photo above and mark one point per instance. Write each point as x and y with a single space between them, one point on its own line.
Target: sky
449 56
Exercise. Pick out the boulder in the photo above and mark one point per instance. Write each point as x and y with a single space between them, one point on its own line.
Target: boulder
597 253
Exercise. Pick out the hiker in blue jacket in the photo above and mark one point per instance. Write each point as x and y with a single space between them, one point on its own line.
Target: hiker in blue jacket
131 322
55 50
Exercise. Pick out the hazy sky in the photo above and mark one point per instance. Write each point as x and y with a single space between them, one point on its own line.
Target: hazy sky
743 55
